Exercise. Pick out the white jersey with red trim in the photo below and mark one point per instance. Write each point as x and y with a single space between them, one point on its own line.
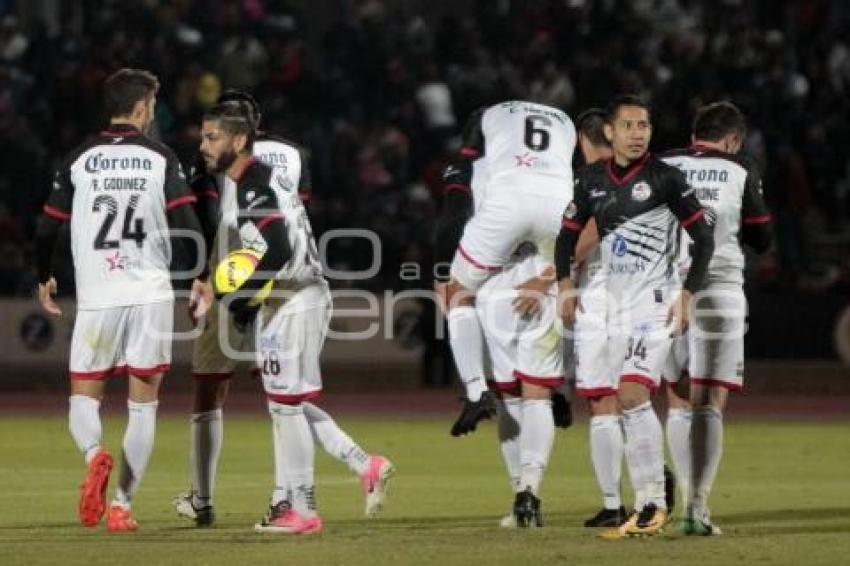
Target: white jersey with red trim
730 190
264 194
522 140
116 190
275 152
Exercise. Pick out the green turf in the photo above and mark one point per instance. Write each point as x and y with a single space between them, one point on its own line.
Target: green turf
783 497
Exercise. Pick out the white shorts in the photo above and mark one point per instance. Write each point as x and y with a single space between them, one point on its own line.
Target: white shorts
716 336
219 335
522 350
639 340
120 340
508 217
597 372
290 342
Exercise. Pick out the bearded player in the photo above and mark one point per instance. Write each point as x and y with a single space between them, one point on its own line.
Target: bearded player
212 369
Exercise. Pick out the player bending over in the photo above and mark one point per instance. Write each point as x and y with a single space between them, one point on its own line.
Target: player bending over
516 312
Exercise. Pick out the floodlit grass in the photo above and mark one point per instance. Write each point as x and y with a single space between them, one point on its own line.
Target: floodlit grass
783 497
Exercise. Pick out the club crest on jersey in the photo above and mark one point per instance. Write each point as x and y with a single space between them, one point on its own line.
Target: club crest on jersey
641 191
619 247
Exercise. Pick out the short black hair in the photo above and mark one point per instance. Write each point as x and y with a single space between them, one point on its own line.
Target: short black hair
125 87
625 100
235 119
591 124
252 107
714 121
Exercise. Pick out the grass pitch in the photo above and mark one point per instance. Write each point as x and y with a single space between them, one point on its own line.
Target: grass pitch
783 497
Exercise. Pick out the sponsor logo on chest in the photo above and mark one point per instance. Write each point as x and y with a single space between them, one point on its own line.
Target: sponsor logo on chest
98 162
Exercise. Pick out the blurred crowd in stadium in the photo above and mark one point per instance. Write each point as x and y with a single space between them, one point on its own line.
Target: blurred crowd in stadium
381 93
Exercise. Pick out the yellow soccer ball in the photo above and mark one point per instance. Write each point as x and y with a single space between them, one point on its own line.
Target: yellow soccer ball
234 270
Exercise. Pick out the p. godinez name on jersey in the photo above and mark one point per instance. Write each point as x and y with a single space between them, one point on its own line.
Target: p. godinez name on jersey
116 189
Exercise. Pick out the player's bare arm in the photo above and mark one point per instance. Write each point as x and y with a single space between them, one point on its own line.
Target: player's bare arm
575 217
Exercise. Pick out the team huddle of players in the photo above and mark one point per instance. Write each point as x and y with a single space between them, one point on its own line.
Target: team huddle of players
620 255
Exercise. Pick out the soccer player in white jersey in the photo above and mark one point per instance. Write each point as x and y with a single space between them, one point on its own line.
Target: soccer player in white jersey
636 200
516 309
597 374
212 369
729 188
528 151
122 192
271 220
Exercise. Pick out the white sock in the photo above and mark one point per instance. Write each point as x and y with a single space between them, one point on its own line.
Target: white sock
84 424
281 483
536 437
207 431
707 448
334 440
606 453
467 342
510 417
294 456
138 445
645 454
679 442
